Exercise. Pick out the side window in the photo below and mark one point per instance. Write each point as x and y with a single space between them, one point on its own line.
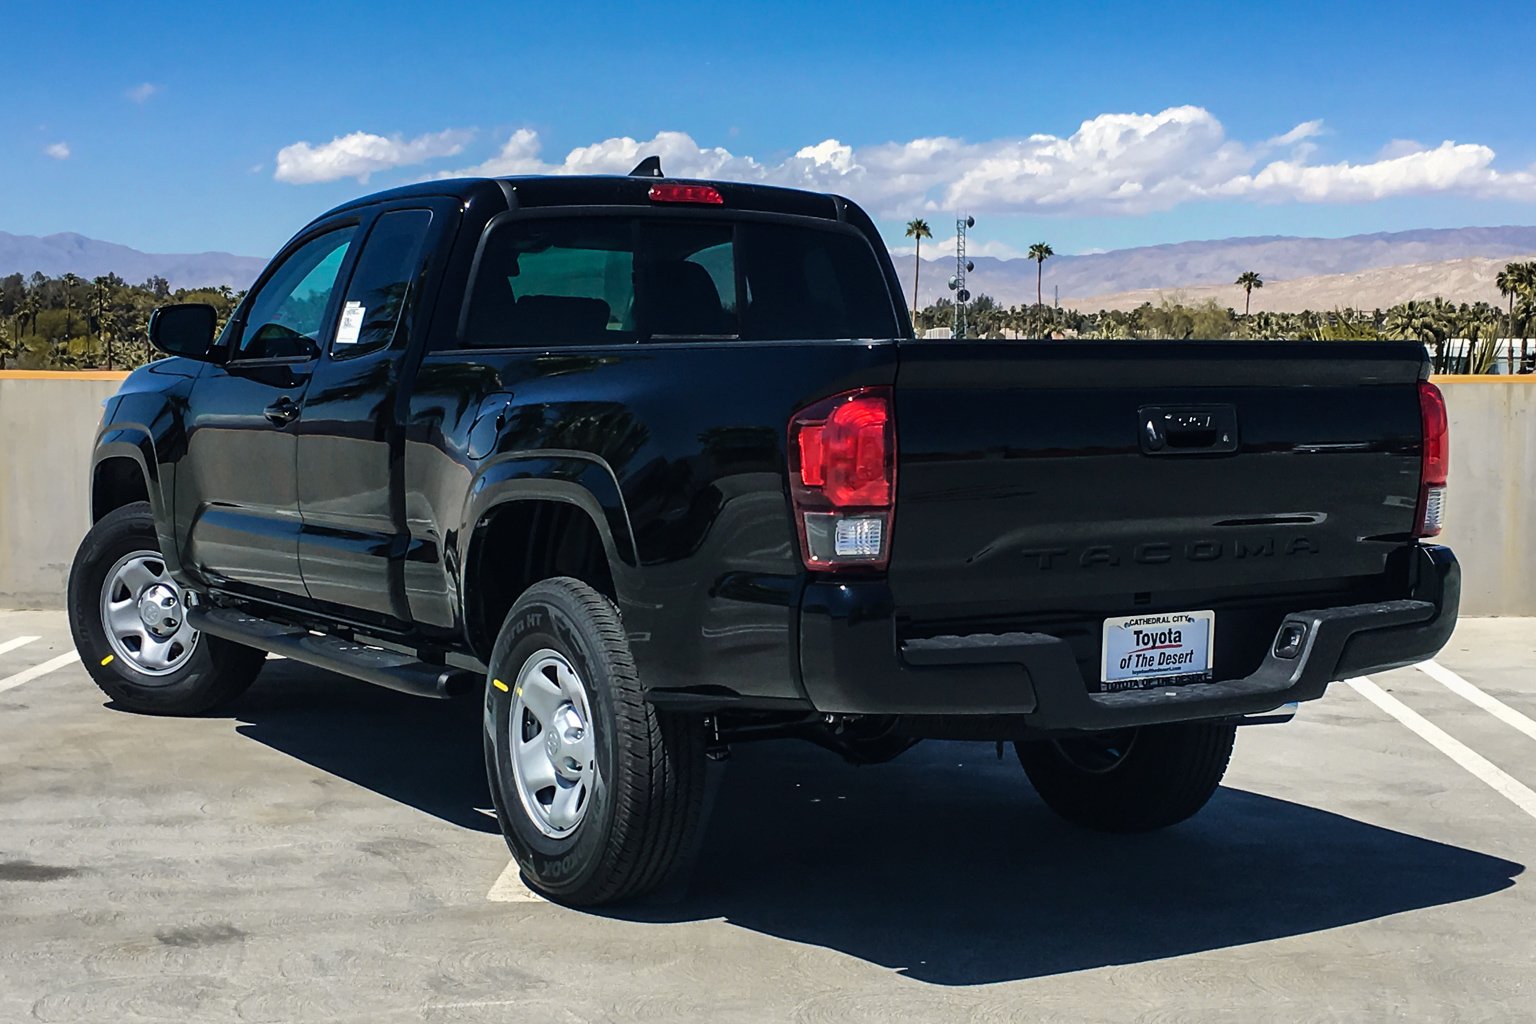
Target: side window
688 280
806 283
549 282
285 318
389 265
546 282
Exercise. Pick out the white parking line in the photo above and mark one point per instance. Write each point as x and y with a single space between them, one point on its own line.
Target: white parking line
1489 703
29 674
11 645
1507 786
509 888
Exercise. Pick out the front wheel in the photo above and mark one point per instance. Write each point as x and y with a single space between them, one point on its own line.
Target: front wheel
1130 780
597 792
129 623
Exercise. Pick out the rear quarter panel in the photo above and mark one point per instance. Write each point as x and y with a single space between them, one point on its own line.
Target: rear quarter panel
693 436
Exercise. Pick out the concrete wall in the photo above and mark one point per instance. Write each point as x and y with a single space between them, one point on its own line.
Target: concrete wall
1489 511
47 427
47 424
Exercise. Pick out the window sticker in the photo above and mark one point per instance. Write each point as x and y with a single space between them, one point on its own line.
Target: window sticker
351 323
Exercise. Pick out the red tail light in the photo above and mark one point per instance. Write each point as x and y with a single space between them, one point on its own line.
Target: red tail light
685 194
842 478
1435 462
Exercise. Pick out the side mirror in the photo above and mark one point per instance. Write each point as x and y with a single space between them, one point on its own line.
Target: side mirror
185 329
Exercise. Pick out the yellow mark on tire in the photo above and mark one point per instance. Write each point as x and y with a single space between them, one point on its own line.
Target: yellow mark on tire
499 685
107 660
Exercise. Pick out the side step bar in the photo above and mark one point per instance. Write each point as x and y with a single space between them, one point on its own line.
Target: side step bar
393 669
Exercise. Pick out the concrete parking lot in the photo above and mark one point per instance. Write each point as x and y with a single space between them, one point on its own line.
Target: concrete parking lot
322 852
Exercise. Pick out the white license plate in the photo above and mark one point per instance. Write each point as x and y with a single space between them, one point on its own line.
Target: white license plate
1169 649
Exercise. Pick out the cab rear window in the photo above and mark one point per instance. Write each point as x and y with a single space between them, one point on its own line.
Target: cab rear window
557 281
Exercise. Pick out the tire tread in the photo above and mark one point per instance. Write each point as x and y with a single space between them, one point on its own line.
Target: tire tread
657 788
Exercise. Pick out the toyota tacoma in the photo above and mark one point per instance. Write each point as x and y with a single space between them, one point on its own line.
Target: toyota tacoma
653 466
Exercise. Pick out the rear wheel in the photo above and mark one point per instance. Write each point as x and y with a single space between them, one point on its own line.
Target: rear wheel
129 623
597 792
1130 780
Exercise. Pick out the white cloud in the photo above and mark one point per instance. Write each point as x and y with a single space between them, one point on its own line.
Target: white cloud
360 154
1113 164
1303 131
680 156
142 92
1448 168
1400 147
946 247
57 150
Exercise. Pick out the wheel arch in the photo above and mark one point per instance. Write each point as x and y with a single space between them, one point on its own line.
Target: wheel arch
536 517
119 476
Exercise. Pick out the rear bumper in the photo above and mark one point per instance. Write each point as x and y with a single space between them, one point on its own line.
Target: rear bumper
852 663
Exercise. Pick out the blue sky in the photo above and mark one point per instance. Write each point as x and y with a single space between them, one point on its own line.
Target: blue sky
1088 125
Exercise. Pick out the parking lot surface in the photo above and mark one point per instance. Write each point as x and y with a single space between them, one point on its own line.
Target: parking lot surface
321 851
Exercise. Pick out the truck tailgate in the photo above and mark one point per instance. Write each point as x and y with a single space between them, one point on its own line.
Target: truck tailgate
1031 489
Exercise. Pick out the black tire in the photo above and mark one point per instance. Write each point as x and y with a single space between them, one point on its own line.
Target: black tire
216 672
1135 780
647 789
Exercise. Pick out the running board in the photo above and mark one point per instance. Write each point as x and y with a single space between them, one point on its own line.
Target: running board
378 665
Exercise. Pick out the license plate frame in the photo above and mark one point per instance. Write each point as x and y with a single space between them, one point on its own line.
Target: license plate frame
1175 649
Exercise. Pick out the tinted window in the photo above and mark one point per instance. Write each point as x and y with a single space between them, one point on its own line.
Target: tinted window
389 264
586 281
286 316
687 280
554 282
807 283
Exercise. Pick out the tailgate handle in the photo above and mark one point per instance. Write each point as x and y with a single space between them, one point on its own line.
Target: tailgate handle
1188 429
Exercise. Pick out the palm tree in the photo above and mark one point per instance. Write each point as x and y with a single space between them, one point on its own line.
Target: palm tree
10 342
1521 278
28 309
1505 282
1248 280
917 228
1040 252
70 283
1422 321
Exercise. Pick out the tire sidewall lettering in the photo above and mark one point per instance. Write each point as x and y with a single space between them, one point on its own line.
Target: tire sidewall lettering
557 862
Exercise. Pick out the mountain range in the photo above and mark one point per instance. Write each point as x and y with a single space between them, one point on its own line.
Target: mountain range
70 253
1470 257
1184 265
1470 279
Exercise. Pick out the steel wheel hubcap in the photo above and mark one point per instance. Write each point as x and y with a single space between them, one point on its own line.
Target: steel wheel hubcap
554 756
144 617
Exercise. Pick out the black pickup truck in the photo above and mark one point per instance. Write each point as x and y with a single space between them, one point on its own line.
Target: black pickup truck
658 465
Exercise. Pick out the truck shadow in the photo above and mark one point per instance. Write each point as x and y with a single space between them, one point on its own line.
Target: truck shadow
942 865
425 753
945 867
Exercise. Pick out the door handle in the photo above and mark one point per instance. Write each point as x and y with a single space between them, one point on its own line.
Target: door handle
1188 430
283 411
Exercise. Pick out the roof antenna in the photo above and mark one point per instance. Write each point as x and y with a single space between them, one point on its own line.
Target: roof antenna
650 167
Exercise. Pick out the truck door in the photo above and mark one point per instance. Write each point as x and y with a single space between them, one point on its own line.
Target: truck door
350 440
237 497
